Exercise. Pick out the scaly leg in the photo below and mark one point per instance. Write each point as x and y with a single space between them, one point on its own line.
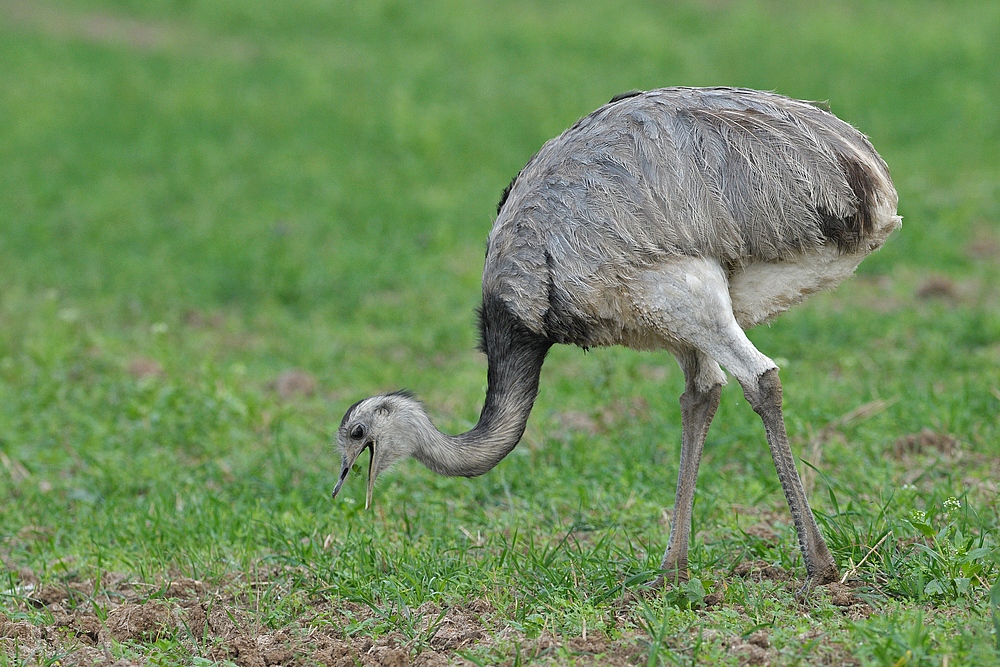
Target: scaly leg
698 406
765 398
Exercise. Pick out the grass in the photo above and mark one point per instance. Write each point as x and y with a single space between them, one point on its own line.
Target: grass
199 198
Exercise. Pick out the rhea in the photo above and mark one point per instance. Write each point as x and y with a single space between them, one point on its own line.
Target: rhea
670 219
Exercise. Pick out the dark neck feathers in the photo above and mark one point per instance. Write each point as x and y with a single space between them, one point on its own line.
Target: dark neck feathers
515 356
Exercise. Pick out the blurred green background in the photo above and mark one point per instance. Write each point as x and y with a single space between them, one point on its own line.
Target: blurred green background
202 199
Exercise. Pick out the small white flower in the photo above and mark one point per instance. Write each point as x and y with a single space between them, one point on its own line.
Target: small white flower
158 328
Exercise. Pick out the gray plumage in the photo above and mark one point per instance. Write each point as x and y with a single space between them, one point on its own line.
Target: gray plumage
740 176
671 219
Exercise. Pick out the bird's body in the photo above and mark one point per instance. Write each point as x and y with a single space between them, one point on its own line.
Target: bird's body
759 184
671 219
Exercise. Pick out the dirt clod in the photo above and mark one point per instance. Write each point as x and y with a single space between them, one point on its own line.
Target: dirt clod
245 652
713 599
750 654
23 631
186 589
391 657
141 622
334 652
841 595
85 627
431 659
458 629
759 570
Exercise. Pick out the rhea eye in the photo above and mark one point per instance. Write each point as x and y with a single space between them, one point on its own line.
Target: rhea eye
358 432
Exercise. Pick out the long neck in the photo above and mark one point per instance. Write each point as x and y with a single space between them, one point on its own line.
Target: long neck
514 356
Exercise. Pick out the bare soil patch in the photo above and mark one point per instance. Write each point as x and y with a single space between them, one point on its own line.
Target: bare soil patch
759 570
217 621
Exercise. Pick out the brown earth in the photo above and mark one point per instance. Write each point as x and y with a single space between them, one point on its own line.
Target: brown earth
216 621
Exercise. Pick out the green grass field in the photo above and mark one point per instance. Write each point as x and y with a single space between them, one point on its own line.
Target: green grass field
222 222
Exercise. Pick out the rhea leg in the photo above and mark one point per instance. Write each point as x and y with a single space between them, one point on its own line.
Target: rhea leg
687 302
764 395
758 376
703 380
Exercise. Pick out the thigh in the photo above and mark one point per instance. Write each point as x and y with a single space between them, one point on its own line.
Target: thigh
686 302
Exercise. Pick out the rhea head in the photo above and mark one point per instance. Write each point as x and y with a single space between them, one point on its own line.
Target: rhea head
385 425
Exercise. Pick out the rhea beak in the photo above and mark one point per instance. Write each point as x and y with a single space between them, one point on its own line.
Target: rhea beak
371 475
346 469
